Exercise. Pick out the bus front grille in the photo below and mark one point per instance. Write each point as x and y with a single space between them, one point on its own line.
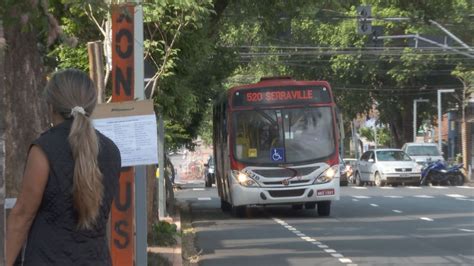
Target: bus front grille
277 183
285 172
286 193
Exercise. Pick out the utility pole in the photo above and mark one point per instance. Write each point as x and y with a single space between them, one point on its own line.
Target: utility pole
440 118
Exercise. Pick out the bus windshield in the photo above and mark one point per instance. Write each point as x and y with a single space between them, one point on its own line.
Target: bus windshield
275 136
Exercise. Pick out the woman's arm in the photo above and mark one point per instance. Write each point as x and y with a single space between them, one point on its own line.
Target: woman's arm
22 215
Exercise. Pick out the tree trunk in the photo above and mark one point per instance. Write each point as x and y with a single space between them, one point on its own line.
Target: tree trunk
25 111
2 148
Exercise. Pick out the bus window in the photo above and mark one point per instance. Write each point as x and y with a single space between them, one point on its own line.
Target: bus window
302 134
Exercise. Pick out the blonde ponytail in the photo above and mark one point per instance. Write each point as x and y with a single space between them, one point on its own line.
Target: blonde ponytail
72 94
88 187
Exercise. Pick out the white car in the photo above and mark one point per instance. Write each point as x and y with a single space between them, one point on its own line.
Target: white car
423 153
387 166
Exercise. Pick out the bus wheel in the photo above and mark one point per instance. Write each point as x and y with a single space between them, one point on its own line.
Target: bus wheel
310 205
239 211
225 206
297 206
324 208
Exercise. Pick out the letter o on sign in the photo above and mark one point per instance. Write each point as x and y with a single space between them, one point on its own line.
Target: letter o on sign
127 34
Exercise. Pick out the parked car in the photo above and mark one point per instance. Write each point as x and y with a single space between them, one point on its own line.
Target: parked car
423 153
343 179
209 172
387 166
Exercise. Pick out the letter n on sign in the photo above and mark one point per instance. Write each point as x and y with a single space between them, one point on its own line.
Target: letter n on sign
122 242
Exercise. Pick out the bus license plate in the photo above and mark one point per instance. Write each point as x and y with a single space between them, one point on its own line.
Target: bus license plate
325 192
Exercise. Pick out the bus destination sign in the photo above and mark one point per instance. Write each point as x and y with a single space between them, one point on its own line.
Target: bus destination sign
281 95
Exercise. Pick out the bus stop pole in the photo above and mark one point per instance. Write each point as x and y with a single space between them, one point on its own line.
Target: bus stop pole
140 171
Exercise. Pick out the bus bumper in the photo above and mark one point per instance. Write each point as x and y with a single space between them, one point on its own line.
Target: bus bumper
284 195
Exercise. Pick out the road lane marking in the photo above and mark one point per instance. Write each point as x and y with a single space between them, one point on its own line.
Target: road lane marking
412 187
456 196
297 232
355 200
393 197
423 196
198 189
359 187
345 260
397 211
313 241
426 219
468 187
361 197
439 187
204 198
467 230
374 205
387 188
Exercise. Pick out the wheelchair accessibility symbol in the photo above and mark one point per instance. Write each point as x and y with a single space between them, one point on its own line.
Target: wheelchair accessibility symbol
278 154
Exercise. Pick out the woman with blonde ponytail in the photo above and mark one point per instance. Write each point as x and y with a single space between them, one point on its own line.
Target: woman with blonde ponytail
70 179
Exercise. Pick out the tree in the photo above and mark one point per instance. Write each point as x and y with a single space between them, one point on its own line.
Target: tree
28 29
467 79
323 43
2 146
383 137
168 26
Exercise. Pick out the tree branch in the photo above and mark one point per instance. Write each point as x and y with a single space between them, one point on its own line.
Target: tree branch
92 17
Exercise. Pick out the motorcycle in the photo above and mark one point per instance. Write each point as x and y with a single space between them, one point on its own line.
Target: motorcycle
437 173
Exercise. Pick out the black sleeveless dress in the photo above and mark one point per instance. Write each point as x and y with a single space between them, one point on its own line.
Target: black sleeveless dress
54 238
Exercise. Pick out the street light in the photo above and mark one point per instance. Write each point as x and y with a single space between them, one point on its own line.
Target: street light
414 115
440 124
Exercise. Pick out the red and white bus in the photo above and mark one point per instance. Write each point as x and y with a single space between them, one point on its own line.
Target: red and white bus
276 142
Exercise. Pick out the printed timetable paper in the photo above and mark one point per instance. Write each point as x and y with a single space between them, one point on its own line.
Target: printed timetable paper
132 127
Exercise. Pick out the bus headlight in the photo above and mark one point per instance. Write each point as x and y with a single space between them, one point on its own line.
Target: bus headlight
327 175
243 179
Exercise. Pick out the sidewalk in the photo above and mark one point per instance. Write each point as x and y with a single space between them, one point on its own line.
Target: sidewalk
173 254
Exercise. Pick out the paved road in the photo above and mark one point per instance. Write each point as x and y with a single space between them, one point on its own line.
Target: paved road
368 226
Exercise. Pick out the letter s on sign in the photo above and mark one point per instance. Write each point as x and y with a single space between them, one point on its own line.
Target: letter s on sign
122 232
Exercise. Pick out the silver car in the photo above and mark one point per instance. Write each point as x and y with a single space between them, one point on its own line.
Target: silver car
387 166
423 153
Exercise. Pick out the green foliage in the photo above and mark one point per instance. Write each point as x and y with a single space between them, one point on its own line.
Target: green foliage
319 40
163 234
383 135
155 259
202 47
71 57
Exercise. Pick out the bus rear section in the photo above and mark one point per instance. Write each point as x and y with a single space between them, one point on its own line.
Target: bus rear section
275 143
